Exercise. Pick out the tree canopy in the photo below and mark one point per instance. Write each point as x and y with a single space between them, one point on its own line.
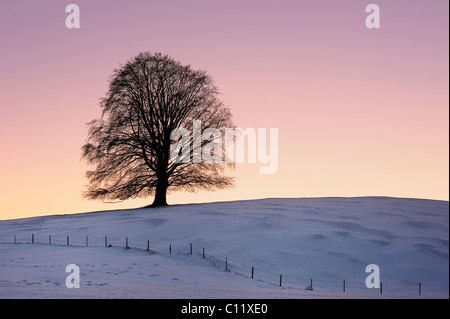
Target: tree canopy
130 146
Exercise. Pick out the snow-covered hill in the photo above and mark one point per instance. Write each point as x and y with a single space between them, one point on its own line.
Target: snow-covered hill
328 240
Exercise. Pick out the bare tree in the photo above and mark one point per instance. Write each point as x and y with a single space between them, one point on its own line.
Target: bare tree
130 145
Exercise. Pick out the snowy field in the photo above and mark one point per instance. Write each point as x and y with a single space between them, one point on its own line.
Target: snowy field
328 240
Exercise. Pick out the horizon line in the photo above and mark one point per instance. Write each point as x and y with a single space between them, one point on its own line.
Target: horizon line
228 201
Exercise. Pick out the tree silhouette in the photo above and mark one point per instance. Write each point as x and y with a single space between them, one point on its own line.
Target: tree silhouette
130 146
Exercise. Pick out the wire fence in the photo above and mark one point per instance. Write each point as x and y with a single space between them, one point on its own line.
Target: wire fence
241 268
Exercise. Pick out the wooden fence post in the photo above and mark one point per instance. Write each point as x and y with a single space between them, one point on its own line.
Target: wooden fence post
420 288
148 245
203 253
32 238
381 287
15 239
49 239
226 263
253 271
67 240
87 241
190 248
344 286
126 243
106 241
170 249
281 278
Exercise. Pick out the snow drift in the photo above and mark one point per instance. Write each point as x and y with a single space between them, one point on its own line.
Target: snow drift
318 241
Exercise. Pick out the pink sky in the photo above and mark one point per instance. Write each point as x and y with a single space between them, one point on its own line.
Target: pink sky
360 112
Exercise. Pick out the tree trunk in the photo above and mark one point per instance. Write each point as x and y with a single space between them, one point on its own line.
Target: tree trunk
160 194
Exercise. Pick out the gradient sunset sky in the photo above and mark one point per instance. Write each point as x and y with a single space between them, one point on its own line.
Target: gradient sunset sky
360 112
